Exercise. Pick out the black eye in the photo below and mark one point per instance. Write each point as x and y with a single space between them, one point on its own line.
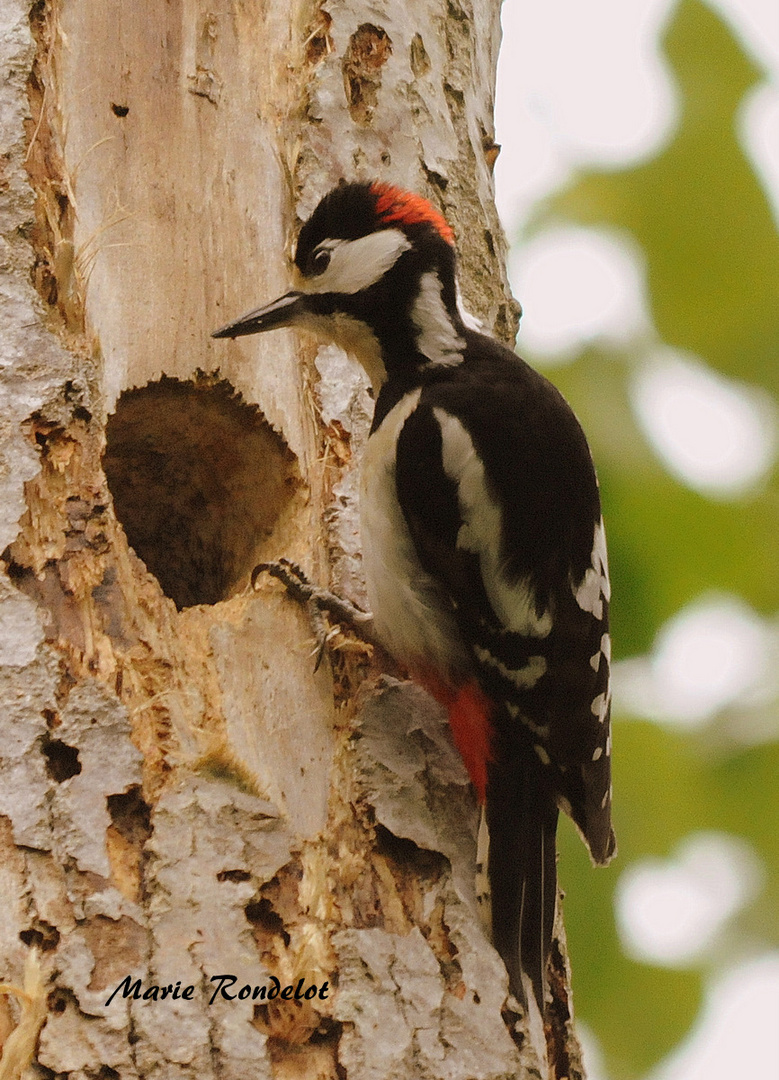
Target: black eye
320 260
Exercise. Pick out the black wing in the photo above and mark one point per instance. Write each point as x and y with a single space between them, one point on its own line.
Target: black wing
499 492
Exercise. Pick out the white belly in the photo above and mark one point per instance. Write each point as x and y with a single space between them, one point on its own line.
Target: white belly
412 617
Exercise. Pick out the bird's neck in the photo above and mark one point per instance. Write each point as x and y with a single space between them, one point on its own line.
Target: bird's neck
436 322
407 347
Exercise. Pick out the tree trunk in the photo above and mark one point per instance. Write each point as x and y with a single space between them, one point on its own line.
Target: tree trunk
181 796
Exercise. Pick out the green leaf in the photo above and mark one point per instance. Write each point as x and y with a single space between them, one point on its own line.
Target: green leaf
699 212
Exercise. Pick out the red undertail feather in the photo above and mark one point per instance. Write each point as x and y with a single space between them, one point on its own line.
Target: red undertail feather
394 204
470 713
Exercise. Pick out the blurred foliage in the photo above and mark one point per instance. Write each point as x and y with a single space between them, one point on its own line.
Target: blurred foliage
712 257
699 212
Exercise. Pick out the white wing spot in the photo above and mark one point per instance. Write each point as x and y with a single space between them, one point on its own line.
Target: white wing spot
600 707
542 755
595 587
605 651
482 528
542 730
523 678
605 800
597 752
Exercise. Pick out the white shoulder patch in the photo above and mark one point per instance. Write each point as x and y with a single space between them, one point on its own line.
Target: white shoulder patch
481 531
437 338
595 587
357 264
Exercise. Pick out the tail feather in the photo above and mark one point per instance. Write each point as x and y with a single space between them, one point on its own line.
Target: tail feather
522 819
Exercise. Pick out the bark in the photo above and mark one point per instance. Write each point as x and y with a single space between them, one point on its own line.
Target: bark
181 797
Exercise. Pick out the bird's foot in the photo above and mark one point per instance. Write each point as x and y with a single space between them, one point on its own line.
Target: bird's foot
319 603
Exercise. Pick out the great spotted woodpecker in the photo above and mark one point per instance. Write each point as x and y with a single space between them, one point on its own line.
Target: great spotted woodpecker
483 543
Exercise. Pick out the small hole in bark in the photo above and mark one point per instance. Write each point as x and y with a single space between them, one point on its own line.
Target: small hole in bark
57 1001
199 480
130 815
51 716
436 179
261 915
407 853
233 875
61 760
420 61
42 935
370 47
329 1030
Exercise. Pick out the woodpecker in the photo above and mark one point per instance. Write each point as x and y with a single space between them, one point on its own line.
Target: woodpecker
483 545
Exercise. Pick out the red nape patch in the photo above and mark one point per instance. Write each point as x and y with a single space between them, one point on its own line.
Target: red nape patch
394 204
469 711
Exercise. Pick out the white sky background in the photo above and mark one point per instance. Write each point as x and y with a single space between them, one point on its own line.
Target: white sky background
584 84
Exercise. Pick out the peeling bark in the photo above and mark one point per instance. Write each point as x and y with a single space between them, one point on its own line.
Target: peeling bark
181 798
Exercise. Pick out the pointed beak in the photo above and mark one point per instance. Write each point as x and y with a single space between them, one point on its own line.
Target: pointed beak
282 312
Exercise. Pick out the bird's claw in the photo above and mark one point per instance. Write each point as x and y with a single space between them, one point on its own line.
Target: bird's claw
318 602
289 574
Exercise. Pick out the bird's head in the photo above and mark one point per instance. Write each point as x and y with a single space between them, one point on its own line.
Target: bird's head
374 273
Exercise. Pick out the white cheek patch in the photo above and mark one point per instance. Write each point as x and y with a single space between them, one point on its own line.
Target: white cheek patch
595 587
481 531
357 264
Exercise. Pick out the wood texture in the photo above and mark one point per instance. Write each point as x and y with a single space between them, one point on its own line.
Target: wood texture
181 797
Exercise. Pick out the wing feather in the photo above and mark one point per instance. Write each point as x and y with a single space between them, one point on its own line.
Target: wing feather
532 647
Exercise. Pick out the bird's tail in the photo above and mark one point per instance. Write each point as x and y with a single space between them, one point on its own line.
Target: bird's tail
522 821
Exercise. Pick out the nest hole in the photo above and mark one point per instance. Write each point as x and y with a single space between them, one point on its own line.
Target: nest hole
199 481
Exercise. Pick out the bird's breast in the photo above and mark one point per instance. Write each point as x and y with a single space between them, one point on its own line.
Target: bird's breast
413 615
